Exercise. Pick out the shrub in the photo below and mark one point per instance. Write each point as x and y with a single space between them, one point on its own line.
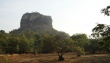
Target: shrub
79 51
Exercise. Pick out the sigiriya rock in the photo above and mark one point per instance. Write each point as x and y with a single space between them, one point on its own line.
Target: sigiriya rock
35 22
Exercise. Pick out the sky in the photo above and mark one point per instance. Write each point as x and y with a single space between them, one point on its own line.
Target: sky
70 16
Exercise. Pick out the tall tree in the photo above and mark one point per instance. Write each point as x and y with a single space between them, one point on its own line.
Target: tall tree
103 30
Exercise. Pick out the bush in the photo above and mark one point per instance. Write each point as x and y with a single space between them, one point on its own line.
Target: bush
79 51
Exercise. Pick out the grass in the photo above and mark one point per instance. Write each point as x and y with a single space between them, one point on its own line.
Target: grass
53 58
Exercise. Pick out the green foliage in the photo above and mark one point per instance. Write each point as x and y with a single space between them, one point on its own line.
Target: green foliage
48 44
55 43
105 44
63 43
37 45
102 31
106 11
24 45
3 40
94 46
12 45
80 40
80 51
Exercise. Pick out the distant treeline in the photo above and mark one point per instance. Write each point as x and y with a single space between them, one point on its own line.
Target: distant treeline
30 42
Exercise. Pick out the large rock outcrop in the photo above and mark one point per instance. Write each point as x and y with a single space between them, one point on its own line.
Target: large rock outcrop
35 21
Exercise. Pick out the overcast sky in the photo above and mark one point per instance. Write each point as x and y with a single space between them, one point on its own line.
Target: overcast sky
70 16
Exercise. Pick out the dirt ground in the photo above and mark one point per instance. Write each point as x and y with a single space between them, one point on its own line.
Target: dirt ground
53 58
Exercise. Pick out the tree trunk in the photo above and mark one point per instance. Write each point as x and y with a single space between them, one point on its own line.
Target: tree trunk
60 56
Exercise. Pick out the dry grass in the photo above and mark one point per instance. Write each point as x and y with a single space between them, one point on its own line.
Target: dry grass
52 58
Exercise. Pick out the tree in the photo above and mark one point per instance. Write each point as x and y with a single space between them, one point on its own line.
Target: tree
94 45
63 44
24 44
106 10
3 41
100 30
81 40
59 42
12 45
38 43
103 31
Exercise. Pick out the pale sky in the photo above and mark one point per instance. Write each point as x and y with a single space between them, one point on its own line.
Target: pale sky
70 16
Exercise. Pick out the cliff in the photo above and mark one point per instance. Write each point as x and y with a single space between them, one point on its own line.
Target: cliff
35 21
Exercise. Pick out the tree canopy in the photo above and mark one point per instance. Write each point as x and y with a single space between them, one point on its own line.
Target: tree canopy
103 31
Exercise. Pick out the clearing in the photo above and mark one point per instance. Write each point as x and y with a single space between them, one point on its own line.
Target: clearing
53 58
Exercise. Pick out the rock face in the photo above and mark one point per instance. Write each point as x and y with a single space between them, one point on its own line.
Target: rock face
35 21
